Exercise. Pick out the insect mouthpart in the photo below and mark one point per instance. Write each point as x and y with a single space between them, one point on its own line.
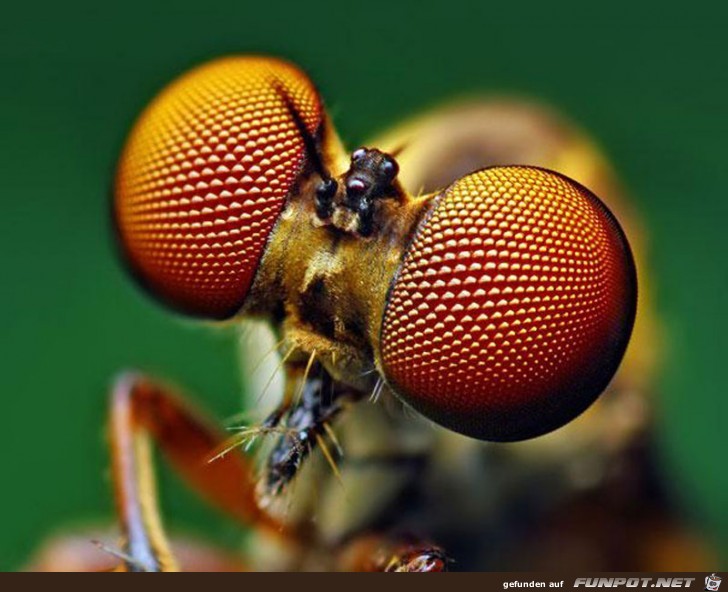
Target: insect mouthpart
304 426
349 203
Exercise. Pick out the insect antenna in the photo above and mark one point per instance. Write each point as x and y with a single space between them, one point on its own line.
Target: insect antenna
310 143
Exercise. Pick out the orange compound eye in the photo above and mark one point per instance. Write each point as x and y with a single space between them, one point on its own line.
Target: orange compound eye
205 174
512 307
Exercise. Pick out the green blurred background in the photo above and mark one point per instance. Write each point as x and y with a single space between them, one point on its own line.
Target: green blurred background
650 86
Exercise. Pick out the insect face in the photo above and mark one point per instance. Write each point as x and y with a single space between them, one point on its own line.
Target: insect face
499 308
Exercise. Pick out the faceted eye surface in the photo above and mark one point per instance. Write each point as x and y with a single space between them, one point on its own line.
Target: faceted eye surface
512 307
204 175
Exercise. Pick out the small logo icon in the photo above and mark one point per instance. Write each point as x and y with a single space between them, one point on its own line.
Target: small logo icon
712 583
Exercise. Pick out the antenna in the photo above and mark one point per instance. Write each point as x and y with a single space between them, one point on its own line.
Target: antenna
309 141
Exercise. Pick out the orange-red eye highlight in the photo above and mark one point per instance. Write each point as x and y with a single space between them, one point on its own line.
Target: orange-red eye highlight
513 305
205 174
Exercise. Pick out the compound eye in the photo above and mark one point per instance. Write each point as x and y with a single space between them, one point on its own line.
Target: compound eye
513 306
204 176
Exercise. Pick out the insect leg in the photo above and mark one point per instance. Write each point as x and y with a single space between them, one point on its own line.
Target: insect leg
97 550
141 411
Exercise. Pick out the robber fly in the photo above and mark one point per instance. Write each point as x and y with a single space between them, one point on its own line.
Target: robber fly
420 304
